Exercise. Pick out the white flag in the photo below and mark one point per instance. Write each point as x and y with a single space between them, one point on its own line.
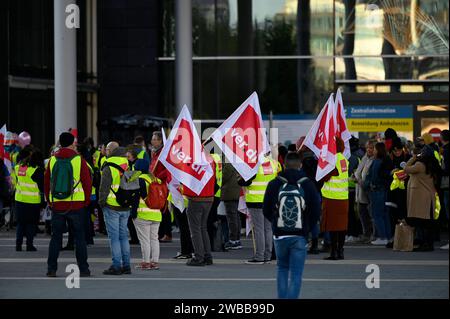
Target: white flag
243 139
321 140
183 154
341 124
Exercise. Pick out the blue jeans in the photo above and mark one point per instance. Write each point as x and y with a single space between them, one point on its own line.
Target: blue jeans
117 228
380 214
291 255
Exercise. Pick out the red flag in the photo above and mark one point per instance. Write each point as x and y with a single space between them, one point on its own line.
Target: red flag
183 154
242 138
321 140
341 124
3 154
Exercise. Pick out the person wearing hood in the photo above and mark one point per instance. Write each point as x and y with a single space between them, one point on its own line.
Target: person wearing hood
116 217
354 226
290 245
68 209
396 197
389 136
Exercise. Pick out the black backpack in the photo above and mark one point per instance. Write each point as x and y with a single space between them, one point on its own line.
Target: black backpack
128 193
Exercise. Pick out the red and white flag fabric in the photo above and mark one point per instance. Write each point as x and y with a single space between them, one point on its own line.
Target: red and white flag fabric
183 154
243 139
341 123
321 140
173 185
3 154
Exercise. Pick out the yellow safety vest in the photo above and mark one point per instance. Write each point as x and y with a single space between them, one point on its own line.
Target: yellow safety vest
78 192
102 161
218 161
141 154
96 158
144 212
115 174
27 190
94 190
267 171
337 186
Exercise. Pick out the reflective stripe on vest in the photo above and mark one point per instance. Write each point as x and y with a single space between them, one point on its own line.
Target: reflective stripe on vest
143 211
267 171
115 175
337 186
27 191
78 192
218 161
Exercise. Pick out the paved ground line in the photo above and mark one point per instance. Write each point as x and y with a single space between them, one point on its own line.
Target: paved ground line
225 279
241 261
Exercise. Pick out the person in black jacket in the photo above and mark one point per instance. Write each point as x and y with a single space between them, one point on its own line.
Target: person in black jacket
290 245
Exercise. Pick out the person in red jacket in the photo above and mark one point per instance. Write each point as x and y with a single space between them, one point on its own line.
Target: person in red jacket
159 171
197 212
68 210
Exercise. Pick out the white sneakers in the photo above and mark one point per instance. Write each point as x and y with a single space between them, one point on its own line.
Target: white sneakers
351 239
445 247
379 242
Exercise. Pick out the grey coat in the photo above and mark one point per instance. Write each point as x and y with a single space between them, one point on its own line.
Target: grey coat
106 180
360 175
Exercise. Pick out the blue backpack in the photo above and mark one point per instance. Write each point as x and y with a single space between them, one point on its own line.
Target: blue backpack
291 205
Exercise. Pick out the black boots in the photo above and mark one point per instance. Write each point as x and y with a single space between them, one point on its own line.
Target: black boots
337 246
314 250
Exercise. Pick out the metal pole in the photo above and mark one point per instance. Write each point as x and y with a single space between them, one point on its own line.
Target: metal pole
183 51
65 70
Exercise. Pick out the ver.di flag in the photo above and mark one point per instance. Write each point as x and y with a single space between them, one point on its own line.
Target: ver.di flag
321 140
183 154
341 124
243 139
173 185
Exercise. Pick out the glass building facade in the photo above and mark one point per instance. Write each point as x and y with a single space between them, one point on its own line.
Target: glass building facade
295 52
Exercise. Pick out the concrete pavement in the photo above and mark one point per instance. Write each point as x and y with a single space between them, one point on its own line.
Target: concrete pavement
402 275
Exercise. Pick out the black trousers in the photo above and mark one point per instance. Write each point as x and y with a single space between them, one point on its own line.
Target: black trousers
165 228
27 221
185 234
59 220
211 224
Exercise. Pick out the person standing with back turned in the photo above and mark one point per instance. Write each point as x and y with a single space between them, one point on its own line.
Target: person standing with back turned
67 187
290 240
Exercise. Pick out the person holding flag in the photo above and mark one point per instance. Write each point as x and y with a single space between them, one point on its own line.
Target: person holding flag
324 139
184 157
157 169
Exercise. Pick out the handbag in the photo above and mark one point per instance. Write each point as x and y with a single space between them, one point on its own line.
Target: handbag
404 237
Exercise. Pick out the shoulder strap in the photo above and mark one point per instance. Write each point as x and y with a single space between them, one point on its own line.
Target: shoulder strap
284 180
303 179
115 166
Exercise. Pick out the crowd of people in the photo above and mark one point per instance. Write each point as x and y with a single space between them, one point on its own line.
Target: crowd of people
87 190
